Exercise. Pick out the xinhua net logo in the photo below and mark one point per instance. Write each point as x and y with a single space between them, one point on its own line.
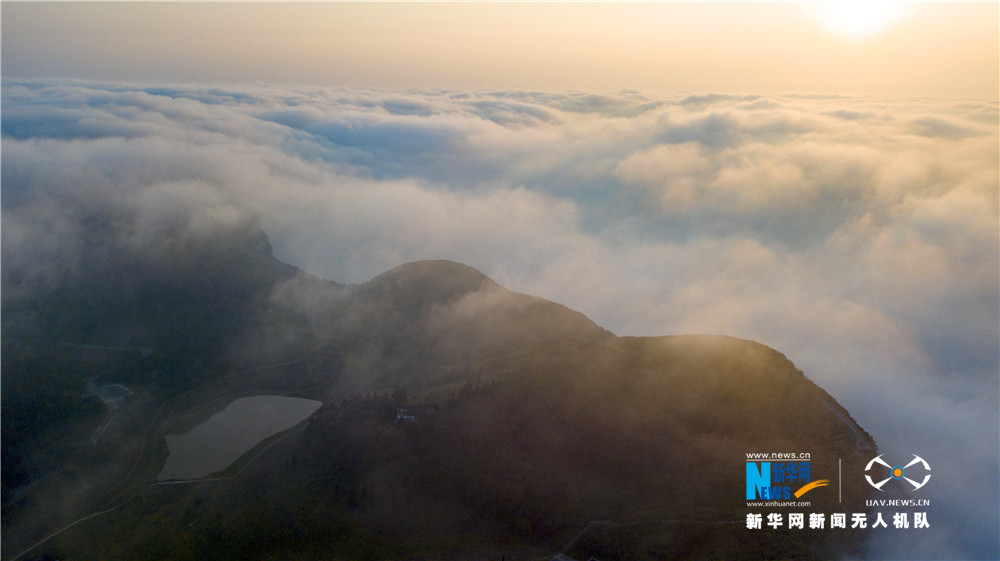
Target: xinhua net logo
780 480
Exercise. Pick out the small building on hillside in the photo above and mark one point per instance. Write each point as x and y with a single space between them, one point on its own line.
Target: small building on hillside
402 417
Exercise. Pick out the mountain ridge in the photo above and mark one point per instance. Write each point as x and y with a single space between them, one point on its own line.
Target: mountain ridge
532 420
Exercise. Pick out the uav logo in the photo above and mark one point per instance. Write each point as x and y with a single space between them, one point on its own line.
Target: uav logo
897 472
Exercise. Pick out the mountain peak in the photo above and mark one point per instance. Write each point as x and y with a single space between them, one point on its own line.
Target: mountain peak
435 280
432 267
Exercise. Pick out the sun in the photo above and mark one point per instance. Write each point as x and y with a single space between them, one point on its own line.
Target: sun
859 18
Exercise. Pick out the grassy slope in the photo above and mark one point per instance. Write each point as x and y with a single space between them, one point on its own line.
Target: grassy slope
533 422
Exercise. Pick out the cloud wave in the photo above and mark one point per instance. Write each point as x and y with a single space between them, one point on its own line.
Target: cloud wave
859 236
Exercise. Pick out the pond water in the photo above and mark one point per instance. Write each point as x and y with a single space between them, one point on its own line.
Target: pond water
228 434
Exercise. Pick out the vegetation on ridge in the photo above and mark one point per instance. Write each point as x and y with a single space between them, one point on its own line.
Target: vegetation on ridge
536 430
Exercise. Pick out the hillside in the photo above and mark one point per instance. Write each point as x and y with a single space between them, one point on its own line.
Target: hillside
646 436
532 422
160 318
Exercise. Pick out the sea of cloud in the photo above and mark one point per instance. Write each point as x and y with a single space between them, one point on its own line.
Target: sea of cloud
859 236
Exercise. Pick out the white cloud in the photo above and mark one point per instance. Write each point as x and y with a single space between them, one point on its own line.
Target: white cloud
857 236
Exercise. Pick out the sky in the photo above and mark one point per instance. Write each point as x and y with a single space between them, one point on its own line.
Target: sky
901 48
825 185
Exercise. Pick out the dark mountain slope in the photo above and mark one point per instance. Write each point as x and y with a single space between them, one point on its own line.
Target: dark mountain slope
647 435
158 317
441 300
430 325
533 423
423 284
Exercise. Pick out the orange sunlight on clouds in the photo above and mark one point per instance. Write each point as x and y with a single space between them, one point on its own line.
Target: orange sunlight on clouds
936 49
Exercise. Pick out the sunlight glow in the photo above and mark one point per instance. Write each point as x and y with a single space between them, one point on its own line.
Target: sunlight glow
860 18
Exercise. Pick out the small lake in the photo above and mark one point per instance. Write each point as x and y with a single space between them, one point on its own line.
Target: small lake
225 436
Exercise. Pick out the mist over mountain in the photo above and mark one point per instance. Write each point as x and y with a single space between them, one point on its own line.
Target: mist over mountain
533 425
856 235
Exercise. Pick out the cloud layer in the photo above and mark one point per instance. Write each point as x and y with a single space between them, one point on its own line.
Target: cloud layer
859 236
